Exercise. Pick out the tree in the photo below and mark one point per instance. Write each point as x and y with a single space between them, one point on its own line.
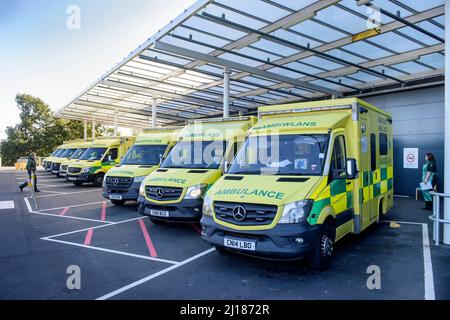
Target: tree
39 131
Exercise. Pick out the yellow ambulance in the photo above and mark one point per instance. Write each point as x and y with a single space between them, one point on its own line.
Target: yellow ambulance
122 182
69 150
54 156
103 154
82 147
308 174
174 192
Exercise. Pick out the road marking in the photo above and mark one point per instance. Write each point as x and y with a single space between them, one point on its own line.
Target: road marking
73 206
64 211
62 193
148 240
113 251
196 228
427 262
96 227
31 211
6 204
428 266
88 239
103 218
154 275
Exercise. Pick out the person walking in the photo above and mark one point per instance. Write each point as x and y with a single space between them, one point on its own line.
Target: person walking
31 169
429 175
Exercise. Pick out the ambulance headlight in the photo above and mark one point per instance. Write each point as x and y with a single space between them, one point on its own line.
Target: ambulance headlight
207 206
142 189
195 192
86 170
139 179
296 212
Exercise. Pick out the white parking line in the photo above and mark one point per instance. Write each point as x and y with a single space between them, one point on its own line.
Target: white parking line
427 263
113 251
74 206
30 210
62 193
154 275
6 205
97 227
428 266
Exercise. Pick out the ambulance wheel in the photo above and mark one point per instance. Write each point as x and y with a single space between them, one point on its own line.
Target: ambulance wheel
78 183
118 203
320 258
98 180
157 221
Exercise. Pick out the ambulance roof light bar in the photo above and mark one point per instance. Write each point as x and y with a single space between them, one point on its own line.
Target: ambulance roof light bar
219 120
303 110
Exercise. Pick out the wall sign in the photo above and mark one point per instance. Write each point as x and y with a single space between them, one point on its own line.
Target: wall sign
411 158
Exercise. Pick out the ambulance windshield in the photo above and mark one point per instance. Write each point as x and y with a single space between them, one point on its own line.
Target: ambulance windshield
281 155
196 155
144 155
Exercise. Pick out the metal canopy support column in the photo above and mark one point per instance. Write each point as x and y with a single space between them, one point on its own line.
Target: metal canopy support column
115 123
154 112
447 125
93 128
226 92
85 130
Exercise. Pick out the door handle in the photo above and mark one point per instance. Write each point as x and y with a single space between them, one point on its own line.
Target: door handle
349 182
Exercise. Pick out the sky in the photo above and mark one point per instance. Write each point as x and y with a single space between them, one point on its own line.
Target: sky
42 56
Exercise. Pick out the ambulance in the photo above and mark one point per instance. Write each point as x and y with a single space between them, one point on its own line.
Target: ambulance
307 175
122 182
48 160
55 156
69 150
103 154
174 192
83 145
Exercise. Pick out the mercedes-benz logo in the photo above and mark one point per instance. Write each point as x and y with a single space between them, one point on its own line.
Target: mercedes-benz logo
116 181
159 192
239 213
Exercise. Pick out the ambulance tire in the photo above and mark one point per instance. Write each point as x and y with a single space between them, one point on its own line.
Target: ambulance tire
157 221
98 180
118 203
78 183
321 257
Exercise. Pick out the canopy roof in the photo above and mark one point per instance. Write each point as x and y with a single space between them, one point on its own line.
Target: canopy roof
277 51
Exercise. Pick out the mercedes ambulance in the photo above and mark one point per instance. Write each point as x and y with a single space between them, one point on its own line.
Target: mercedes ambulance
308 174
174 192
70 149
103 154
48 160
82 147
122 182
55 156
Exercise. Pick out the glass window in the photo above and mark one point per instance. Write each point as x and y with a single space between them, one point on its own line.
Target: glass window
373 152
195 155
113 154
77 154
383 144
60 152
144 155
338 158
54 153
68 153
293 154
93 154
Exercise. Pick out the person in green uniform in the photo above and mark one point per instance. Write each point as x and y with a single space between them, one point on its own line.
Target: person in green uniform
31 169
429 174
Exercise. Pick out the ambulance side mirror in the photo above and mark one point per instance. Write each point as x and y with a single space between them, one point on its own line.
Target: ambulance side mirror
351 168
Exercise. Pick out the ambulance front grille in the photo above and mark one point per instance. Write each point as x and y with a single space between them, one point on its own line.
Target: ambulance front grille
118 182
74 170
245 214
163 193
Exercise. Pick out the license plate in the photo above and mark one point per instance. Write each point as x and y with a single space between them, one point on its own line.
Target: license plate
239 244
115 197
55 171
158 213
62 174
72 178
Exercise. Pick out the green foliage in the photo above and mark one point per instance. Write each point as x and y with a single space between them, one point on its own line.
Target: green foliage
39 131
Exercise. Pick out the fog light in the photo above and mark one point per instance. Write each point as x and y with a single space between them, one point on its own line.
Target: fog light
203 231
196 209
299 240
